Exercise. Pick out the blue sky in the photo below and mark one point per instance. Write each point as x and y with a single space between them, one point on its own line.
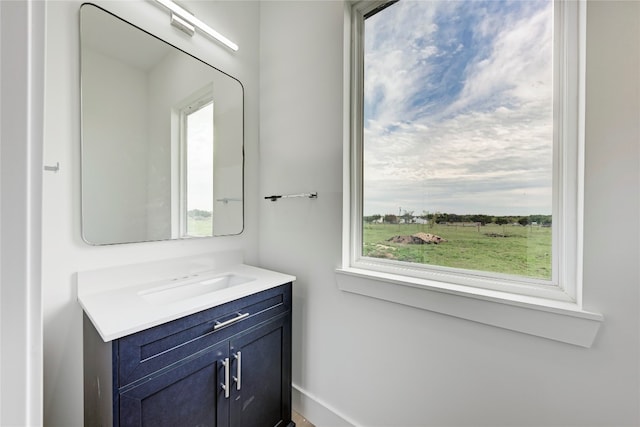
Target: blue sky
458 107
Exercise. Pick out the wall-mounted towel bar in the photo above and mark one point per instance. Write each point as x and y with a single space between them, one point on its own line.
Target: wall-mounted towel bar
226 200
288 196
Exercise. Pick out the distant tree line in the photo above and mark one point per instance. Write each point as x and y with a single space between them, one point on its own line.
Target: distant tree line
448 218
199 213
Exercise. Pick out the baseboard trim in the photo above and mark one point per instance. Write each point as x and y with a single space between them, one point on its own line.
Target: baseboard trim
316 411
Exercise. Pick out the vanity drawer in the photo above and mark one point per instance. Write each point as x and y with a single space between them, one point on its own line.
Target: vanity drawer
151 350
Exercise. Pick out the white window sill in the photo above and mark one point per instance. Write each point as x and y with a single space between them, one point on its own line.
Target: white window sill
556 320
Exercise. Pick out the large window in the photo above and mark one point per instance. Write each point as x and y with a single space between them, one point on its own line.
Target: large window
465 143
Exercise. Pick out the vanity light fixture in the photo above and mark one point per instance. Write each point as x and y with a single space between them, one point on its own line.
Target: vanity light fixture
185 21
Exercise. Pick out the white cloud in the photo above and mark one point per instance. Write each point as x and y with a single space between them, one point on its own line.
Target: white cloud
487 149
519 68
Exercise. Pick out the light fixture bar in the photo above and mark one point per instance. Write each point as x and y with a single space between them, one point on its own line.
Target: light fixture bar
187 16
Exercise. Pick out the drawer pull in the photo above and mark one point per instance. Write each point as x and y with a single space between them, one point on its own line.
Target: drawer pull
219 325
225 384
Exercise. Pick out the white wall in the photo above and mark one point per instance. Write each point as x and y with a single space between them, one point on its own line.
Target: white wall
63 252
381 364
116 121
21 98
162 126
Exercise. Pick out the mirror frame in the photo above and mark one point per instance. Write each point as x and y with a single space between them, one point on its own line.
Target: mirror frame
83 148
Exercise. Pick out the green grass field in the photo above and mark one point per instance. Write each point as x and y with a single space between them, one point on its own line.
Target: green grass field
523 251
199 227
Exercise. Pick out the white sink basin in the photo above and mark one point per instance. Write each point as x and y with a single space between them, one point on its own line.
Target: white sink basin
123 300
181 289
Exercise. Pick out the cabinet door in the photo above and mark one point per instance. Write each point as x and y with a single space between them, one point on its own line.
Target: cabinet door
187 395
261 369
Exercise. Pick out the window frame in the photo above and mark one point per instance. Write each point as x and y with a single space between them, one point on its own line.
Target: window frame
565 296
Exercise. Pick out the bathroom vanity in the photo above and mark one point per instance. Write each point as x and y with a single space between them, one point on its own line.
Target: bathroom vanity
197 341
227 363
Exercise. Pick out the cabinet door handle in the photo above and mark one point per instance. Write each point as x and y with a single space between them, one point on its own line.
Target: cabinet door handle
238 379
225 384
240 316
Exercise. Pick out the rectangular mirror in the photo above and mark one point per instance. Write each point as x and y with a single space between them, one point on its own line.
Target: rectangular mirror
162 138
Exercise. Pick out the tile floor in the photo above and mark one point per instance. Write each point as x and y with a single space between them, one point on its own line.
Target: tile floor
300 420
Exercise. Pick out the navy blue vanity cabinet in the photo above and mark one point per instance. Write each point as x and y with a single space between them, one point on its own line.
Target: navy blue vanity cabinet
261 374
228 366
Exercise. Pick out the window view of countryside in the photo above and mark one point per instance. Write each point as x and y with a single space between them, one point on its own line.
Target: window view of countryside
458 118
509 245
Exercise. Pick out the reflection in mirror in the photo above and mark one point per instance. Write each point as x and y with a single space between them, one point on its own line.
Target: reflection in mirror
162 138
197 121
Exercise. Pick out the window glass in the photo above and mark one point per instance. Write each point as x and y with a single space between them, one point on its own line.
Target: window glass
199 182
458 135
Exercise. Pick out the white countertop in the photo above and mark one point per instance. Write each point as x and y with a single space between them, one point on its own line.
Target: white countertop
122 307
